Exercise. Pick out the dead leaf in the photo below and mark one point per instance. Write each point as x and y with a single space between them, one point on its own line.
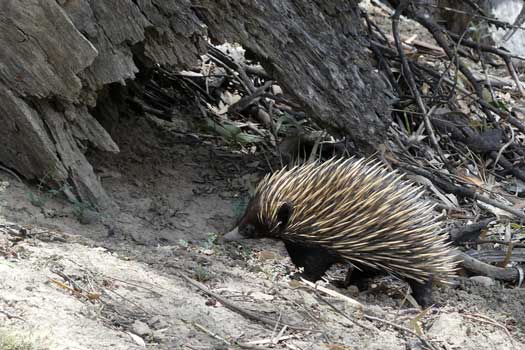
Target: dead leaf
295 284
470 179
414 323
267 255
93 296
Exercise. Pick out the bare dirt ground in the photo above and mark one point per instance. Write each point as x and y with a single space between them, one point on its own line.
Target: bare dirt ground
75 279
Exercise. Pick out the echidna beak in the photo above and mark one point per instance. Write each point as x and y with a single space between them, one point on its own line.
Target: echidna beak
233 235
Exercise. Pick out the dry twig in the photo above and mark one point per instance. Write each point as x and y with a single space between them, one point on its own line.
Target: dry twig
409 77
232 306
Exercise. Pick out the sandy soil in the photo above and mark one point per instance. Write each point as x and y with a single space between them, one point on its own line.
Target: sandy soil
75 279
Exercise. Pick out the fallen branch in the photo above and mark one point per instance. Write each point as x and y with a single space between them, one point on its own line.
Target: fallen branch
333 293
246 101
485 319
424 341
477 267
515 244
218 337
10 316
368 317
497 256
230 305
342 313
460 190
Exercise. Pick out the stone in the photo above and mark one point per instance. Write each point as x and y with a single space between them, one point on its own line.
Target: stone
157 322
483 281
140 328
449 328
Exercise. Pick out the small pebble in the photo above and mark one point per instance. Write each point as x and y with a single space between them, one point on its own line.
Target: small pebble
88 216
483 280
353 290
140 328
414 344
267 255
156 322
309 300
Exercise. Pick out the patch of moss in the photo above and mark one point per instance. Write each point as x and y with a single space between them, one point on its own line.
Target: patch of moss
14 340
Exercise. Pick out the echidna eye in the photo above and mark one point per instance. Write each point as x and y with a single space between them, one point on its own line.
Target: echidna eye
248 231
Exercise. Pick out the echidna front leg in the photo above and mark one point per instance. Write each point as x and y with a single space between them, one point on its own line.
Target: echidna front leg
422 292
314 259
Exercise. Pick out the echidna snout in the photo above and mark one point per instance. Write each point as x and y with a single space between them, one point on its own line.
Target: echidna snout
354 211
252 226
233 235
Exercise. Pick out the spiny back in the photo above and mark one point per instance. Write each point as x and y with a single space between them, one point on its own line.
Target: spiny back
363 212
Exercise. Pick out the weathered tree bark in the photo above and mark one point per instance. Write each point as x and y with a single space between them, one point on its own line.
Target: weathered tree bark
55 56
314 49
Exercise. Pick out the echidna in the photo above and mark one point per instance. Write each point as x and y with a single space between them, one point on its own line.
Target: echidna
355 211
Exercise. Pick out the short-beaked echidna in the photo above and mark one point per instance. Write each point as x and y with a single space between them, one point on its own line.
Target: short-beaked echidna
352 210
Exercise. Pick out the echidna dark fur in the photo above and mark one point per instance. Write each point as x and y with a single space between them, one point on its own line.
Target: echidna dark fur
354 211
